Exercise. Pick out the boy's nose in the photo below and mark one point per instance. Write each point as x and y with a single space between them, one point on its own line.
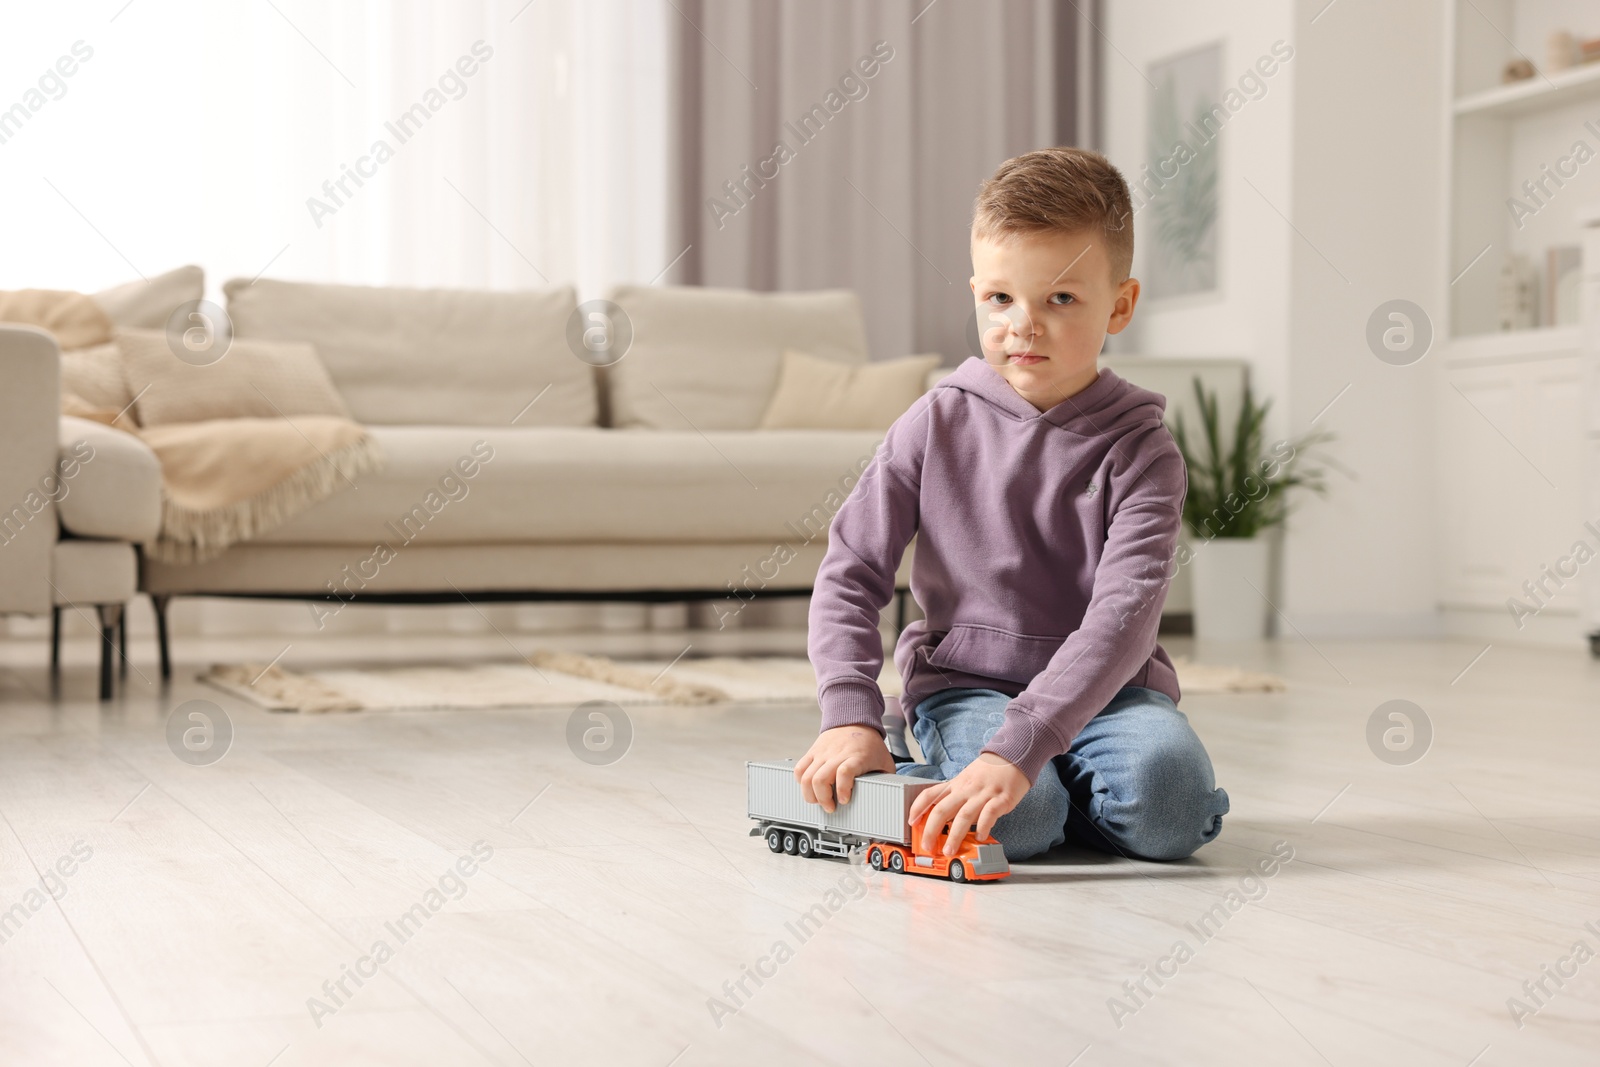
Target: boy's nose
1018 322
1022 324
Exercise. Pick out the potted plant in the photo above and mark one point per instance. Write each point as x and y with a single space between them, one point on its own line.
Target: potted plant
1238 491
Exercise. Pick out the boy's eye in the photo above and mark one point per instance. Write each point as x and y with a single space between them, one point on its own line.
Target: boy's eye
1062 298
999 298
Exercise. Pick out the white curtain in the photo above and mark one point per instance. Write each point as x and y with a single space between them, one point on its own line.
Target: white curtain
197 132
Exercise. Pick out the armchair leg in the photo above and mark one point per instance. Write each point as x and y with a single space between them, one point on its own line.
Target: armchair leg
122 644
900 612
110 619
159 602
55 642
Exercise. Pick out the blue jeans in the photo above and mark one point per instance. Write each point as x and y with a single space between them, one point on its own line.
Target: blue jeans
1136 782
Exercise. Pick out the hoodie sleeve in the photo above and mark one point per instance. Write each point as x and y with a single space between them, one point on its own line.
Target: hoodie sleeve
1118 632
866 540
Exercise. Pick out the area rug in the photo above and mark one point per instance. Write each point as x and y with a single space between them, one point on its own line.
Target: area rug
568 678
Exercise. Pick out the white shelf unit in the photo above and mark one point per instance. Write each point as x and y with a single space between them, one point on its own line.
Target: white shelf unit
1589 584
1514 345
1514 142
1542 92
1514 409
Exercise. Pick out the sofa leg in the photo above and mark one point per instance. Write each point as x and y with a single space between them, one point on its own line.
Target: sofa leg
110 619
55 642
900 612
122 644
159 602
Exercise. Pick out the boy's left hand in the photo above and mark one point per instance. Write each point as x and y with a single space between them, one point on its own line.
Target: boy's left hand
986 789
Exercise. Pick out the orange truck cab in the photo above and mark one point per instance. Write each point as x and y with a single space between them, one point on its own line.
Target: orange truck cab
978 859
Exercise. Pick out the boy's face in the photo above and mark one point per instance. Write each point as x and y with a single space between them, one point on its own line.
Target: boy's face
1045 304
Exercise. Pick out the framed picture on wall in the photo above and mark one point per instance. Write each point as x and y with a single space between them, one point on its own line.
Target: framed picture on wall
1176 217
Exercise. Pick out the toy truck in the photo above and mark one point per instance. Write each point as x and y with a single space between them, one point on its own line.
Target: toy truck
876 819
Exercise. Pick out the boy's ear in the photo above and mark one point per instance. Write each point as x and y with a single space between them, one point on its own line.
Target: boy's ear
972 283
1122 307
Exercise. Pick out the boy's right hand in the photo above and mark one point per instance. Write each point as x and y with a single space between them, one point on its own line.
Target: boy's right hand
827 772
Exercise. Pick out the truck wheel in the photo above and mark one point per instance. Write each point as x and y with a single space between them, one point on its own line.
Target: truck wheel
775 840
803 846
897 862
958 873
875 858
789 844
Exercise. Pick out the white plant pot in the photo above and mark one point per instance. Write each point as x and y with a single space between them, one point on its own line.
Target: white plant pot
1223 572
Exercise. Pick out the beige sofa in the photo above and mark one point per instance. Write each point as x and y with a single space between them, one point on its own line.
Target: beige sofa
643 480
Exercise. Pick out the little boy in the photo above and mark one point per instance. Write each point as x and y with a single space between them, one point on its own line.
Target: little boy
1045 495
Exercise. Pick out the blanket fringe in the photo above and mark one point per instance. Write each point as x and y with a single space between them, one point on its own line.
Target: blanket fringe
193 536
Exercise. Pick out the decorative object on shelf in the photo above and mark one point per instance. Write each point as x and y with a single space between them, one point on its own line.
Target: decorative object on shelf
1238 491
1182 134
1518 294
1561 51
1589 51
1563 270
1517 70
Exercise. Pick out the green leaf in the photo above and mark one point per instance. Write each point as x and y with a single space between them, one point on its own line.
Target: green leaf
1239 488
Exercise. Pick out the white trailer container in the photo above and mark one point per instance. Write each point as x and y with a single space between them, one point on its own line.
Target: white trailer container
879 810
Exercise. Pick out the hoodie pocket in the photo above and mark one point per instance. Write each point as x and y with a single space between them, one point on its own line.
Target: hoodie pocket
994 653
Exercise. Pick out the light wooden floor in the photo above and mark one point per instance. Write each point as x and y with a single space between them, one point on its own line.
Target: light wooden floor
619 899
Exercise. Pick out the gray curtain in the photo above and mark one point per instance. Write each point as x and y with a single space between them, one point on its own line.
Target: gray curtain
873 188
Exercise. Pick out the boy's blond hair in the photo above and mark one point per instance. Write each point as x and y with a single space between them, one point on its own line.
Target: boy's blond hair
1056 189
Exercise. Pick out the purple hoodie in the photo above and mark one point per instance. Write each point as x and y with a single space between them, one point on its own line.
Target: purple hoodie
1043 555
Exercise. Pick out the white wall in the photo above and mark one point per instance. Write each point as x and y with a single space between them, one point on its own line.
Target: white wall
1249 317
1366 158
1330 186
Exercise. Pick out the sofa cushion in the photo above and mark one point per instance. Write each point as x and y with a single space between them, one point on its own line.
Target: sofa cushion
109 483
707 359
556 485
824 394
95 375
252 380
148 303
430 356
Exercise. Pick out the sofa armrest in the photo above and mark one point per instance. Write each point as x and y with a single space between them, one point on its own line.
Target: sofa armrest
30 366
934 376
110 483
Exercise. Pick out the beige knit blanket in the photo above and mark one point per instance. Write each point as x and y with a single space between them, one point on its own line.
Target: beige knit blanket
226 480
74 319
222 480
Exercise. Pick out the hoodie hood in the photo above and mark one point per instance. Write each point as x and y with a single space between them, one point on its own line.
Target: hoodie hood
1109 403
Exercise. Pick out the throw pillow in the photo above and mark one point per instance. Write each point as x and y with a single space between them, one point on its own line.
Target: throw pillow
95 374
824 394
148 303
253 379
